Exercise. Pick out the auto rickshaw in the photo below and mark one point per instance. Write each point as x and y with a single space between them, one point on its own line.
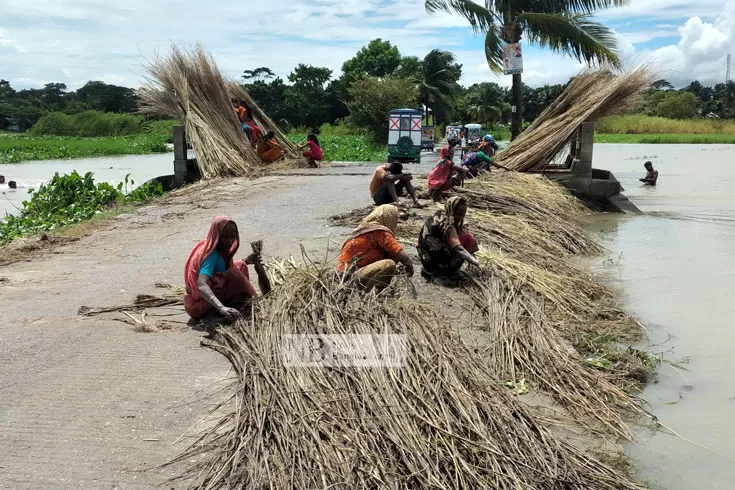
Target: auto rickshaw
473 134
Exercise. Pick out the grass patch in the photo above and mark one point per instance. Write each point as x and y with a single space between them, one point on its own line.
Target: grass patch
640 124
346 148
19 148
669 139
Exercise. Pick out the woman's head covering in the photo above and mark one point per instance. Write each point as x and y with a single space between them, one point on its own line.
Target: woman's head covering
447 220
383 217
446 152
202 250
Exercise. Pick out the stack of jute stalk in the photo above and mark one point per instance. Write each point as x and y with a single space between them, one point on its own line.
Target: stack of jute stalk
588 97
439 421
187 85
529 228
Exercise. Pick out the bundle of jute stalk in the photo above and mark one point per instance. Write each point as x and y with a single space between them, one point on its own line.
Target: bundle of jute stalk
439 420
525 345
588 97
547 207
188 86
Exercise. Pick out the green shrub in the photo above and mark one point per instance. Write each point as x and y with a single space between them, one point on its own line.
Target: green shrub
88 124
69 199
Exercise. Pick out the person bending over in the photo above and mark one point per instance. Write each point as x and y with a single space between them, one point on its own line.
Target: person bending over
371 252
444 244
440 177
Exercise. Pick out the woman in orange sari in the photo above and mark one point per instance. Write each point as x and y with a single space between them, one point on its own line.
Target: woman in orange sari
213 279
371 251
268 149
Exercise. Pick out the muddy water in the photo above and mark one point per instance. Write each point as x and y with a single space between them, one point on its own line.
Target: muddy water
676 268
109 169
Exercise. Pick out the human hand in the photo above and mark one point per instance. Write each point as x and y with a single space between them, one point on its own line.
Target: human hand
231 313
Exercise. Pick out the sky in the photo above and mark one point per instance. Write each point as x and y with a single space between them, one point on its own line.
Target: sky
74 41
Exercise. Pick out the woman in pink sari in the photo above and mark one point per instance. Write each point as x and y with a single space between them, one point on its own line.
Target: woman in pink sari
440 177
214 279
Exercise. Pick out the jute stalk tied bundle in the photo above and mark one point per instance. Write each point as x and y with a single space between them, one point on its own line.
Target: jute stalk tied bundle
588 97
188 86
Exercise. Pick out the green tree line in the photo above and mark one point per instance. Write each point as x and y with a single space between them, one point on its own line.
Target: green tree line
21 109
375 80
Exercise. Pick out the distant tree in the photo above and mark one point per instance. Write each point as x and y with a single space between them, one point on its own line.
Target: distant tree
307 96
100 96
271 98
6 91
485 103
410 67
678 105
662 85
371 99
258 74
378 59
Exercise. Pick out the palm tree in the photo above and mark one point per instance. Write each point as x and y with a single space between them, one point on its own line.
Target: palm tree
564 26
486 102
437 82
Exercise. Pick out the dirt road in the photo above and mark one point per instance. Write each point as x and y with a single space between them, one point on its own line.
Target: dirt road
89 402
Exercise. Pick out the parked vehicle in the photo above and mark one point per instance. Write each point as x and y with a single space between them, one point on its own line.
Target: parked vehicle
404 135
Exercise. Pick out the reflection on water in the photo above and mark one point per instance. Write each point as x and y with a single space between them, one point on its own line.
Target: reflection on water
107 169
676 268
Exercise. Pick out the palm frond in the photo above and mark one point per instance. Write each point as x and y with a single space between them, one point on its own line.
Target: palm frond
570 6
494 50
575 35
480 18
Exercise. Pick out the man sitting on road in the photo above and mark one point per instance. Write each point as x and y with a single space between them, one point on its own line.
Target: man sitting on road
389 182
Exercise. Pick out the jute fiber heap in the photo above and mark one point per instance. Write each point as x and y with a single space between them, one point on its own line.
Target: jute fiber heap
528 228
588 97
189 87
441 421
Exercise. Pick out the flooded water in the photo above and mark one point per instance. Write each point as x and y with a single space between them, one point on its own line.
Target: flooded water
676 268
108 169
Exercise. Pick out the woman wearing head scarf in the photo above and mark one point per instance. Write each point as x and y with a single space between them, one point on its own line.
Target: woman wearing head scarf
440 177
443 242
371 251
213 279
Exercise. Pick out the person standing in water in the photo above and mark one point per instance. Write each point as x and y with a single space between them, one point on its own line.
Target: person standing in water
651 174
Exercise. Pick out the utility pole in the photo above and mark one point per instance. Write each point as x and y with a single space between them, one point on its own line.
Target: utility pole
727 73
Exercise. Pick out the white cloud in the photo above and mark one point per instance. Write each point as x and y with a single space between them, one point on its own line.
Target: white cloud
78 40
701 51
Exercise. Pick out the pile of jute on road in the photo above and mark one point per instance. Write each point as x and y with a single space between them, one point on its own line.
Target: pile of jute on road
540 309
588 97
188 86
440 420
